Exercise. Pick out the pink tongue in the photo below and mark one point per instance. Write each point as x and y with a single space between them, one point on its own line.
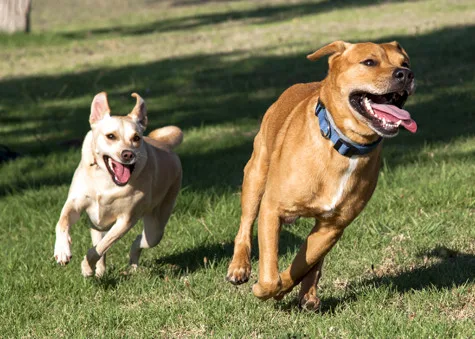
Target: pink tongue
394 114
122 173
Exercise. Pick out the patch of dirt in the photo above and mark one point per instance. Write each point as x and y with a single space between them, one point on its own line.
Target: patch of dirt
464 307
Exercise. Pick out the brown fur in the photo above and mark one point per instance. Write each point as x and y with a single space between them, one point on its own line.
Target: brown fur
295 172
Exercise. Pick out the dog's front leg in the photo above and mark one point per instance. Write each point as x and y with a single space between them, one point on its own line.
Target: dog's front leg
121 226
255 176
318 243
69 216
96 237
269 283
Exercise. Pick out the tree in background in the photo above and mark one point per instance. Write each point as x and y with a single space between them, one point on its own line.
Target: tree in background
15 15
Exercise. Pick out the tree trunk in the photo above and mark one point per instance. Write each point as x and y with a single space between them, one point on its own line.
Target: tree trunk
15 15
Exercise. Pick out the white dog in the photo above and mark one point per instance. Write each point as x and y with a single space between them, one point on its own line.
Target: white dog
122 177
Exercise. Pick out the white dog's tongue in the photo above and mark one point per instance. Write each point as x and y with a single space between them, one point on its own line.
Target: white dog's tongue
122 173
394 114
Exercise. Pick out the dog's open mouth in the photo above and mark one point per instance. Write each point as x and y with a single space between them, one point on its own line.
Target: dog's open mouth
384 112
119 172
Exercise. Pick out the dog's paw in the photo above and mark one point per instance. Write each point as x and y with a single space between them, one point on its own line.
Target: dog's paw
310 303
86 269
100 268
238 274
62 249
267 290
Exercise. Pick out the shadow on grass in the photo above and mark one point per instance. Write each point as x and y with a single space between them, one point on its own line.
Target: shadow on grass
110 281
451 269
261 14
39 118
204 256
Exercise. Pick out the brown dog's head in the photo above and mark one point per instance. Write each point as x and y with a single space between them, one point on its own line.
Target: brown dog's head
367 86
117 140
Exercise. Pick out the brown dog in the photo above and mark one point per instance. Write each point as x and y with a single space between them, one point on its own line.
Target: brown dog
317 155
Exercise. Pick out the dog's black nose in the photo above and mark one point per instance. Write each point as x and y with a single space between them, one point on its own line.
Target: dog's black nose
127 156
403 74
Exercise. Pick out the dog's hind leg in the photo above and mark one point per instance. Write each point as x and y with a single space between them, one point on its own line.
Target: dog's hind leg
255 177
154 225
151 235
308 299
318 243
97 236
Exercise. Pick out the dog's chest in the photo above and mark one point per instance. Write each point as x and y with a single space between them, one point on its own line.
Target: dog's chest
335 191
338 188
345 195
103 210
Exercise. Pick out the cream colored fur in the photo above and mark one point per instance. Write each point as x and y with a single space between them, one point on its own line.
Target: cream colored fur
114 209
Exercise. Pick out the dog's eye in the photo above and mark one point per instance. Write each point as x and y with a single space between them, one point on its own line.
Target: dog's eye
136 138
110 136
405 64
369 62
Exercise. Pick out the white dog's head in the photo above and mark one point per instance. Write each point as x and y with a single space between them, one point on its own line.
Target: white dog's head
118 140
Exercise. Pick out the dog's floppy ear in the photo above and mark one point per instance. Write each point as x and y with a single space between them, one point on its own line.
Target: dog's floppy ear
139 113
396 44
399 47
335 48
99 108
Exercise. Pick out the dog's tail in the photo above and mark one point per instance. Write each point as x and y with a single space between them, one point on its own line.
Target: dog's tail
168 136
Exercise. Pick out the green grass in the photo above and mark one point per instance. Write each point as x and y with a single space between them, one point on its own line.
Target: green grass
404 268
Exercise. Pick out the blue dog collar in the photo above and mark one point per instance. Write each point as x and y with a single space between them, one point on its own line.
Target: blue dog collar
341 143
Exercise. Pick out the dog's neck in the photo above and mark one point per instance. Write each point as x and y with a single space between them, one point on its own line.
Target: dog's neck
87 150
92 159
341 143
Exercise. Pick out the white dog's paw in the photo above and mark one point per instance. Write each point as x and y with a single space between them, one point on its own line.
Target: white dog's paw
100 267
86 269
62 249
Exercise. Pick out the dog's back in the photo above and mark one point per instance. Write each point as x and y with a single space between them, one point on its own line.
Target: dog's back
276 116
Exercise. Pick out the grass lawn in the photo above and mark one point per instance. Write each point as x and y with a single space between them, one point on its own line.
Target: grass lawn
404 268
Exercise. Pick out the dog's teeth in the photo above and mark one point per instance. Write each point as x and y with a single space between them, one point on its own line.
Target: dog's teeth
368 106
398 123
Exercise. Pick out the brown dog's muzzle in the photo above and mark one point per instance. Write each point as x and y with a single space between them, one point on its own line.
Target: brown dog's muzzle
384 112
404 77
